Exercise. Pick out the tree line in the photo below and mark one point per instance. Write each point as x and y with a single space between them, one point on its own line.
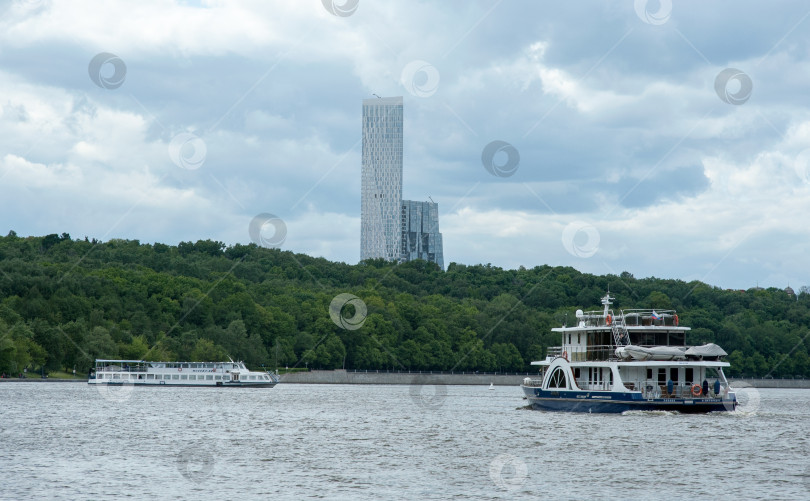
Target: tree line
65 302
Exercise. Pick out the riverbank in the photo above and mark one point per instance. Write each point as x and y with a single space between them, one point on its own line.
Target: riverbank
373 377
423 378
427 378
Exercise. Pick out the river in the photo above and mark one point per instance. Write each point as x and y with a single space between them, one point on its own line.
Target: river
76 441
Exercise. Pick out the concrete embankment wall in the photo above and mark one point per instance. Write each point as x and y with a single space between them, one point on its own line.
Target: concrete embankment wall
773 383
347 377
40 380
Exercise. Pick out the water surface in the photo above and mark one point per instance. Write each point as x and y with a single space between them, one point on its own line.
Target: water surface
75 441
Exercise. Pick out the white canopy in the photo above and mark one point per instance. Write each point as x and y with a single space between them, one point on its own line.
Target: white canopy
707 350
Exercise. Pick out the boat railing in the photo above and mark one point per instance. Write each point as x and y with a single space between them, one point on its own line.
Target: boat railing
600 386
647 317
118 368
579 353
630 317
651 389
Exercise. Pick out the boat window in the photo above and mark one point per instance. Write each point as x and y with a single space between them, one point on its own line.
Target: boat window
662 376
150 376
649 373
176 376
689 375
209 377
558 379
673 374
578 338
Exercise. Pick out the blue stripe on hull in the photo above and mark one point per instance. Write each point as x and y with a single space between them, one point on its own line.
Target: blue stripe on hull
608 402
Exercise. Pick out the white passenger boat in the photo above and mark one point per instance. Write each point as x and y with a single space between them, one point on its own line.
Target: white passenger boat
140 372
633 360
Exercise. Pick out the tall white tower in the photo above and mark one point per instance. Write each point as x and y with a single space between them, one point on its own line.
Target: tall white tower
381 184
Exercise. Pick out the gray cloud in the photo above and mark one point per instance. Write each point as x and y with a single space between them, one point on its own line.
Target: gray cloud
617 122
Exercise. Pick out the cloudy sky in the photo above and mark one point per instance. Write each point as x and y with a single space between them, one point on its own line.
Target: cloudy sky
664 140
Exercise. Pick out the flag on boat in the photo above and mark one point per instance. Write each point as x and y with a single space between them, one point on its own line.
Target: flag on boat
655 316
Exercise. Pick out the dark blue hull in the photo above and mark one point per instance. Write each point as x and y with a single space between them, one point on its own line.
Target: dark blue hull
609 402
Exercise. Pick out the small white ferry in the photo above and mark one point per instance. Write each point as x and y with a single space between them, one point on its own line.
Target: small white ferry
140 372
633 360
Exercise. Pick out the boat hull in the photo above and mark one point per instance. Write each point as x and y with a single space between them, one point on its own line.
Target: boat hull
223 384
616 402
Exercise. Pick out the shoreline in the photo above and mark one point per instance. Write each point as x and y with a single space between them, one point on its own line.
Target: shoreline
426 378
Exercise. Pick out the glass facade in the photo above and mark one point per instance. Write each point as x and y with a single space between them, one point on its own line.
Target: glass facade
381 182
420 232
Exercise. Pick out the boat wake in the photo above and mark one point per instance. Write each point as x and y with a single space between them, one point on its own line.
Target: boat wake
650 413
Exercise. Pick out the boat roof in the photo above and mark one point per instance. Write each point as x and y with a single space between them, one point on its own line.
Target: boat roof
607 328
165 362
637 363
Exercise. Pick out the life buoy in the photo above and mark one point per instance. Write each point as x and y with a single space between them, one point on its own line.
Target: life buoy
179 369
676 320
608 320
696 390
565 355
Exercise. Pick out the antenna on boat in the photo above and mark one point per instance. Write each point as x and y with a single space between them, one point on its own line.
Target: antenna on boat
606 301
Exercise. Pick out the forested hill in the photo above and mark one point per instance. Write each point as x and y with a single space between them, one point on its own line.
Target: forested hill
64 302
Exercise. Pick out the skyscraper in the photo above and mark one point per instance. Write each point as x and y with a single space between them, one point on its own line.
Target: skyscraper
420 232
381 182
